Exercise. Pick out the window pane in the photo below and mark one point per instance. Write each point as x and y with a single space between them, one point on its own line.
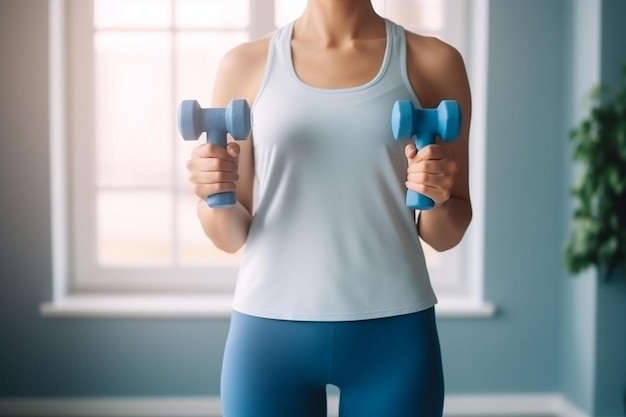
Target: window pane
212 13
288 10
134 228
195 248
443 267
132 13
197 59
134 117
433 258
415 15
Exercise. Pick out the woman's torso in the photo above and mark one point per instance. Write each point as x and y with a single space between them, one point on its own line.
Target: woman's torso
330 237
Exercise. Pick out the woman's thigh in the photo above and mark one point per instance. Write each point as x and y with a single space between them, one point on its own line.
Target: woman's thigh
390 367
274 368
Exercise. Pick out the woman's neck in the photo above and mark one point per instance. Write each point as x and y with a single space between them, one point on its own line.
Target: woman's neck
334 22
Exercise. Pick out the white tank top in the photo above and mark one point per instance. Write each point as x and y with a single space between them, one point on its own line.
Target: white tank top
331 238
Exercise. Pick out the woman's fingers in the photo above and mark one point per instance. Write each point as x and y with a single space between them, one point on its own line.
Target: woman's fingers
213 169
213 177
210 165
431 171
437 194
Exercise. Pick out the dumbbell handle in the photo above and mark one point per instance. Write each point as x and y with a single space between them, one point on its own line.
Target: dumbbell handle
415 200
226 198
423 140
217 137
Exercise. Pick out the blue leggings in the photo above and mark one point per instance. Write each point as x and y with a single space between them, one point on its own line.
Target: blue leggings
389 367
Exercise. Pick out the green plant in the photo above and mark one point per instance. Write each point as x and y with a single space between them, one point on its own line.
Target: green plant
598 230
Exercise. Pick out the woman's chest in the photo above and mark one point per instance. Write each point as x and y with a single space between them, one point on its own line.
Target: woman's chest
335 68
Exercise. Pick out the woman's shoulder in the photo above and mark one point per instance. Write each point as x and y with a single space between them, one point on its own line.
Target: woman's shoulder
247 55
241 70
432 51
436 68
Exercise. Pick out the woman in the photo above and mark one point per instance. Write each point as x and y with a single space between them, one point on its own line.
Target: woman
333 287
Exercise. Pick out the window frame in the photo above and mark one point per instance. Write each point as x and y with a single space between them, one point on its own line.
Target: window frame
467 301
87 276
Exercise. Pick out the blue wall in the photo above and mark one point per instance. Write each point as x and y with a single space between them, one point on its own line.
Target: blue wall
69 357
593 335
610 390
532 44
578 312
517 351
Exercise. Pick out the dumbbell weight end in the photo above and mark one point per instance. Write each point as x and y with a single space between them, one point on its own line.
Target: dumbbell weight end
417 201
222 200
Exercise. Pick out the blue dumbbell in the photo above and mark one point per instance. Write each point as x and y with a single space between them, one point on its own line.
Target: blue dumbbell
408 121
194 120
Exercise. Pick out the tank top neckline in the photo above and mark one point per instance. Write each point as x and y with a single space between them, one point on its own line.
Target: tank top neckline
286 44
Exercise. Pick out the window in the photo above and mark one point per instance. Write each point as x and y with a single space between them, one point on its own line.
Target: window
129 206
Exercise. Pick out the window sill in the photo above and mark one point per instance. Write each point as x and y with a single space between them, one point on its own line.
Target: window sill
216 306
141 306
465 309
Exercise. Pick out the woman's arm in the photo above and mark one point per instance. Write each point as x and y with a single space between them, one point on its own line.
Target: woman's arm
239 76
437 72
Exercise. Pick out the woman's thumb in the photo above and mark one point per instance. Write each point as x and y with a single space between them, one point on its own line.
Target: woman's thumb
410 151
233 149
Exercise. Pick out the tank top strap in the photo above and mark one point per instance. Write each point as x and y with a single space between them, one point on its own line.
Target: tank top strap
282 45
278 60
399 65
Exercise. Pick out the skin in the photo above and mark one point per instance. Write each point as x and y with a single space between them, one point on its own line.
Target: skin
339 44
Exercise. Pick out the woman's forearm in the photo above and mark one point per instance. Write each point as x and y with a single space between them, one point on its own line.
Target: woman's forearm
226 227
444 226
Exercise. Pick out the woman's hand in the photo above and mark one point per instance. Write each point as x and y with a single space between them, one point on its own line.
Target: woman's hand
213 169
431 171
